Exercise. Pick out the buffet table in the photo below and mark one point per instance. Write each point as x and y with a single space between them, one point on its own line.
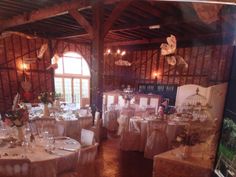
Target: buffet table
171 164
44 163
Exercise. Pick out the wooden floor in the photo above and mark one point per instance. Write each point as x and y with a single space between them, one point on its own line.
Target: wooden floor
112 162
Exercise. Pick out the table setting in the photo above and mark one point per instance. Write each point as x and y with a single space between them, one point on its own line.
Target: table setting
43 150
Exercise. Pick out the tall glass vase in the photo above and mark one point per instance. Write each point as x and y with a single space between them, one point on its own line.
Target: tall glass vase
20 132
45 110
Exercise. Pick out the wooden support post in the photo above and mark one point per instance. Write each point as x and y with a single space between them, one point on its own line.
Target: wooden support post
97 57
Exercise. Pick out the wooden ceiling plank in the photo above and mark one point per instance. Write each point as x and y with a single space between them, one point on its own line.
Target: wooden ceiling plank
182 39
44 13
82 21
116 12
148 8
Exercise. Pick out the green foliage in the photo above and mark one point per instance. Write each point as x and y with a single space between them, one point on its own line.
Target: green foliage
226 152
228 138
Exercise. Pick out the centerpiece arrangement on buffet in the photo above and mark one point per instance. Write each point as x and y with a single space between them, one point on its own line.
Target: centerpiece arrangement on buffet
128 94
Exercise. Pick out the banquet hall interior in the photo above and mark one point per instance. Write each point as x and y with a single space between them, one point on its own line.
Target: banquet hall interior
117 88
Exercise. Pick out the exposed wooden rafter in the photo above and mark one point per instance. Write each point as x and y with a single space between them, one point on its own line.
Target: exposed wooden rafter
186 38
148 8
44 13
82 21
116 12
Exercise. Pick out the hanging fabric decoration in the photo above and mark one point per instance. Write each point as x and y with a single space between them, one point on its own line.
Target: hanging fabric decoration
168 50
42 50
55 60
169 47
40 54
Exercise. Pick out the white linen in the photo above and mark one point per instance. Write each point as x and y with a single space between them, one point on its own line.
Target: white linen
157 141
143 102
42 163
110 120
87 137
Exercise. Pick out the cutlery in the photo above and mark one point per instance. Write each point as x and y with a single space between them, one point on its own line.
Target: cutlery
67 149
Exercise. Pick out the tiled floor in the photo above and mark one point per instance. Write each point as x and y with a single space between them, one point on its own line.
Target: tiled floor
112 162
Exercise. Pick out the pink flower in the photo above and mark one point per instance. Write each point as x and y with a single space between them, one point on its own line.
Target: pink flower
8 122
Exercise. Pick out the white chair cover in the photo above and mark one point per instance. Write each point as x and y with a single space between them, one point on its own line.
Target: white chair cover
157 141
123 123
110 120
15 168
97 115
110 100
97 128
86 163
154 102
130 140
143 102
87 137
47 124
87 155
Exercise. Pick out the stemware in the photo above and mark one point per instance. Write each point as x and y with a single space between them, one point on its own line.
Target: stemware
50 145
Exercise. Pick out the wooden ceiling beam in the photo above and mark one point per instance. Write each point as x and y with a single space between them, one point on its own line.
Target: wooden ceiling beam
200 38
148 8
115 14
82 21
36 15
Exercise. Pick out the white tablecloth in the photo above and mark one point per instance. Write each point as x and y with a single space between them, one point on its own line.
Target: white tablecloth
44 164
73 127
138 124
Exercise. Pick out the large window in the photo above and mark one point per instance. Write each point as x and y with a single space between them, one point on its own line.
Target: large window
72 78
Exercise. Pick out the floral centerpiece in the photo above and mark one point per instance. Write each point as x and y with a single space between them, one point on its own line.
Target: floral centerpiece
46 98
18 116
56 97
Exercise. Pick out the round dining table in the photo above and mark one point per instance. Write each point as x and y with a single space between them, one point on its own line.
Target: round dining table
139 124
44 162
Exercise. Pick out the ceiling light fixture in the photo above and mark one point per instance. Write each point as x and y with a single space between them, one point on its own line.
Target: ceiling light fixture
155 27
118 57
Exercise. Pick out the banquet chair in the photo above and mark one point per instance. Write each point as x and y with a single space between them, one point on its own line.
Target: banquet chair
143 102
97 128
110 120
86 160
123 122
130 140
97 115
157 141
15 168
49 125
68 169
87 137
